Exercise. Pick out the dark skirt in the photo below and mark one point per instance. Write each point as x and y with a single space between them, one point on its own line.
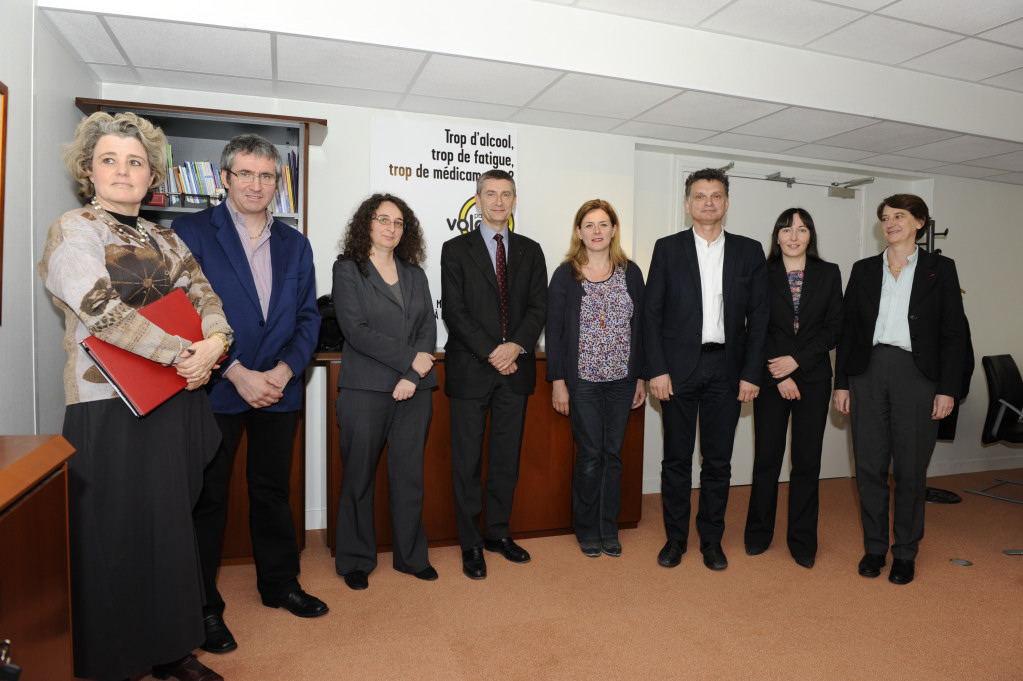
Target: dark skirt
136 585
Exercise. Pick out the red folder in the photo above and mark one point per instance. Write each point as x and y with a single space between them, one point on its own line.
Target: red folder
142 383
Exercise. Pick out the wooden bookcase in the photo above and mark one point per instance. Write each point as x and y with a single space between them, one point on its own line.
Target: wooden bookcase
197 134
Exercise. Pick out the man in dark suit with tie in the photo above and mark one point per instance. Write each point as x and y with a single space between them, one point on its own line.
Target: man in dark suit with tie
705 326
494 300
262 269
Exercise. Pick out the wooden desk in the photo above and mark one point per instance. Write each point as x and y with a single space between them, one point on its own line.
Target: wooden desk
543 496
35 595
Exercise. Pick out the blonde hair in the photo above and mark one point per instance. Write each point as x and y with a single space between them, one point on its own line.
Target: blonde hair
577 250
78 154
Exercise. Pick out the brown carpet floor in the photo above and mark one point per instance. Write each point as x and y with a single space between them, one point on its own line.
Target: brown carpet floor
565 616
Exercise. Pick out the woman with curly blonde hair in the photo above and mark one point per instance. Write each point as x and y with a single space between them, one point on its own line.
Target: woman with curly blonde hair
136 592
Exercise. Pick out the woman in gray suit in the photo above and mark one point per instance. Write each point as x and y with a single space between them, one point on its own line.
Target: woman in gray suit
383 305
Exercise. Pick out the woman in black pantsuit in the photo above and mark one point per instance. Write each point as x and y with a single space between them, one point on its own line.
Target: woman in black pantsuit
383 304
806 315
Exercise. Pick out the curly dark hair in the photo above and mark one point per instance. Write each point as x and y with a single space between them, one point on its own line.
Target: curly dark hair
356 243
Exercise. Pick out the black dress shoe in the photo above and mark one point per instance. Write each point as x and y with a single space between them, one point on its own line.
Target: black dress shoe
805 561
902 571
186 669
590 549
357 580
427 574
611 547
871 564
671 554
218 636
755 549
473 564
298 603
507 548
713 556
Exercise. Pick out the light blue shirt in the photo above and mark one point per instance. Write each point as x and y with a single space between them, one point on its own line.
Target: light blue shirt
892 326
488 238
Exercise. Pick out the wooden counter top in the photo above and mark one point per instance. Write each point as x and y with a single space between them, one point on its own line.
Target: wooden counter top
20 472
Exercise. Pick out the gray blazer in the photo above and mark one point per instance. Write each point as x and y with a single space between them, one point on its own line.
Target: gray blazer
381 339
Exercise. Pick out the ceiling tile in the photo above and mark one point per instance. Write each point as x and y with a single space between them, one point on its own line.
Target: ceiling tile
749 142
477 80
962 148
599 96
457 107
1012 162
884 40
678 12
964 16
561 119
706 111
114 73
1010 178
790 22
86 35
888 136
344 64
1012 80
828 153
897 162
1009 33
309 92
970 59
206 82
226 51
804 125
962 171
665 132
865 5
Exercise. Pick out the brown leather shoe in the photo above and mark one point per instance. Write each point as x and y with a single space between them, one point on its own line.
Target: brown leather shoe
187 668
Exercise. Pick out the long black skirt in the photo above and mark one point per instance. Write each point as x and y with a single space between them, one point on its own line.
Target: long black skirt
136 585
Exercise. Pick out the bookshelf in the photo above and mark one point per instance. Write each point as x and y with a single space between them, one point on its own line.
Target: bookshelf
197 134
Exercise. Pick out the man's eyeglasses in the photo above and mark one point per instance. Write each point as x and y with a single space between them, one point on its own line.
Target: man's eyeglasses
386 221
248 177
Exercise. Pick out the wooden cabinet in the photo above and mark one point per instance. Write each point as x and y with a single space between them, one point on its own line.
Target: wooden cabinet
35 597
543 496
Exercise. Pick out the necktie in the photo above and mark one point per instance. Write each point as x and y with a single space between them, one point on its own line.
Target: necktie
502 284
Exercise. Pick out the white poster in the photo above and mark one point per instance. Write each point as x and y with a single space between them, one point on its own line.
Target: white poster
433 167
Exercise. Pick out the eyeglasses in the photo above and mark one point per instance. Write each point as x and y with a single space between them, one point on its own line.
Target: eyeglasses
248 177
386 221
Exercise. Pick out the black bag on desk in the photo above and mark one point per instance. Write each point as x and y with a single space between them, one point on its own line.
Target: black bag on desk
330 333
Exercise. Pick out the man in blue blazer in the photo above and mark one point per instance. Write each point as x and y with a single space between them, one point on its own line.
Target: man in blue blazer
705 326
262 269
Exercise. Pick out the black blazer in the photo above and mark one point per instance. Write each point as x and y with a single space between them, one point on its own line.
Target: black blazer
473 315
381 339
564 307
673 311
937 323
820 320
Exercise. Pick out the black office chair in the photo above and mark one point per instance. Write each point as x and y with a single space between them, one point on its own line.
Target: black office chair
1004 422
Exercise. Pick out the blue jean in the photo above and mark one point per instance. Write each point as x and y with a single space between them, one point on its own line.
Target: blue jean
600 413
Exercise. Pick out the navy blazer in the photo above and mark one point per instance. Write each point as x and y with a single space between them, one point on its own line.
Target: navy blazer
564 307
381 337
673 311
820 320
473 315
937 322
289 333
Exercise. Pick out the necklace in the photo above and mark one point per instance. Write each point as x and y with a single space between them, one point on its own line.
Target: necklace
253 238
142 237
895 269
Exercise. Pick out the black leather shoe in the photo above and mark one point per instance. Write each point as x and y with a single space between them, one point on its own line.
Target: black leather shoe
805 561
902 571
671 554
186 669
590 549
298 603
357 580
755 549
473 564
713 556
871 564
611 547
218 636
507 548
427 574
